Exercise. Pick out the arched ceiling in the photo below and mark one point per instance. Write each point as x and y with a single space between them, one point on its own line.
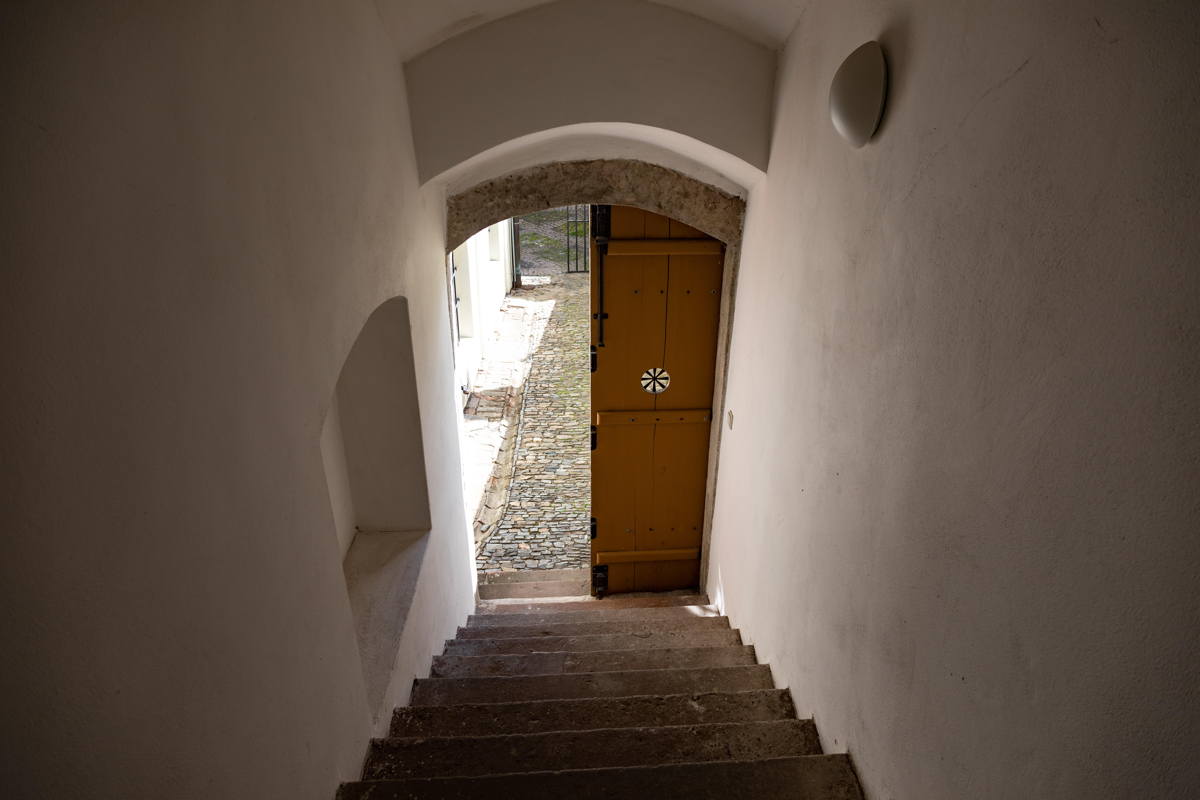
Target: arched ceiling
417 25
580 62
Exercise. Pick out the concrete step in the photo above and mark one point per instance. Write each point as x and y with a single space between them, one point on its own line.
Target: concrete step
597 614
394 759
593 628
590 603
535 575
503 591
450 691
600 661
588 644
797 778
539 716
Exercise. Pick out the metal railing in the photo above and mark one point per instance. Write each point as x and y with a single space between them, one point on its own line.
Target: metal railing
577 238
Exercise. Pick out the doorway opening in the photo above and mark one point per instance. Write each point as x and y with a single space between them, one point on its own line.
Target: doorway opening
525 401
701 211
598 457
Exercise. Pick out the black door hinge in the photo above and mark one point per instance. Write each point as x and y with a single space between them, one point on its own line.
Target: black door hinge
593 358
601 221
601 230
593 437
592 528
600 580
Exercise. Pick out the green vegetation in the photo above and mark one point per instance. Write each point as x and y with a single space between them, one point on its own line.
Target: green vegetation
544 235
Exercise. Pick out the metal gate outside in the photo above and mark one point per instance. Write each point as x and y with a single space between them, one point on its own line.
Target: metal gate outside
578 249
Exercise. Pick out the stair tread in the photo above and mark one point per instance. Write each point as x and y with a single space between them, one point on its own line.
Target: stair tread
823 777
715 637
592 628
549 663
443 691
543 606
630 697
588 749
533 576
532 589
535 716
594 615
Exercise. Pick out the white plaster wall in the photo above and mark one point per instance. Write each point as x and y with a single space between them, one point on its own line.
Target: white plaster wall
466 347
577 61
418 26
960 519
466 259
493 279
337 476
203 203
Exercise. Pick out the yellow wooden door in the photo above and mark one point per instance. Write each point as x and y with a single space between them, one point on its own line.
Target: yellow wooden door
656 299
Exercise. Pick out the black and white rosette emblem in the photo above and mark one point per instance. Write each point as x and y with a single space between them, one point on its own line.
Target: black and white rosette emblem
655 380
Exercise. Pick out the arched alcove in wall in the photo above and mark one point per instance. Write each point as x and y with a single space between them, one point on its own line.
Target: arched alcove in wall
375 471
625 182
375 416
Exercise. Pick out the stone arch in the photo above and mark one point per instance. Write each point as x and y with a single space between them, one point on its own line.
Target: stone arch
625 182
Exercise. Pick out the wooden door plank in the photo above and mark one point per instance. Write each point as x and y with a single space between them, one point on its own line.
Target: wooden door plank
663 576
630 556
678 481
693 317
665 247
627 223
657 226
622 460
635 300
681 231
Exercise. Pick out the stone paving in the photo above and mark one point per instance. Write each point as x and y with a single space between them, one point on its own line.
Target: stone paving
544 522
492 411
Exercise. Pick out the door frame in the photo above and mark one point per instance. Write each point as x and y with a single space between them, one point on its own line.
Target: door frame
729 271
625 182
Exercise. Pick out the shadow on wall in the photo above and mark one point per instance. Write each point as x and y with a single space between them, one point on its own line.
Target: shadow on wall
375 471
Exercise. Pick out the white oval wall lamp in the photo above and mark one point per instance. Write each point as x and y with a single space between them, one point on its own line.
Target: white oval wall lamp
858 93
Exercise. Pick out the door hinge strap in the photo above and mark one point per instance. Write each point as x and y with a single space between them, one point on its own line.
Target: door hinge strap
601 230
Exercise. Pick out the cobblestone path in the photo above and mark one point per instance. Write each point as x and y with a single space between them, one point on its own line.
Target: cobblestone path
493 409
545 521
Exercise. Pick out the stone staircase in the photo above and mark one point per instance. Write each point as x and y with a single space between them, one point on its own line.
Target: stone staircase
535 583
650 696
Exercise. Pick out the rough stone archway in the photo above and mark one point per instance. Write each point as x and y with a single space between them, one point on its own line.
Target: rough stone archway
623 182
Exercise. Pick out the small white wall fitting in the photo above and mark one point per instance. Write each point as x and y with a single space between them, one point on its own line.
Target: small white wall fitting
858 94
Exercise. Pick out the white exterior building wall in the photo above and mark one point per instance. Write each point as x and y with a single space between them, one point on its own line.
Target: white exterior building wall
485 277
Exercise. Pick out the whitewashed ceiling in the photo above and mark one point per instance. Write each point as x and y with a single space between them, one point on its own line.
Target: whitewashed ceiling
417 25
